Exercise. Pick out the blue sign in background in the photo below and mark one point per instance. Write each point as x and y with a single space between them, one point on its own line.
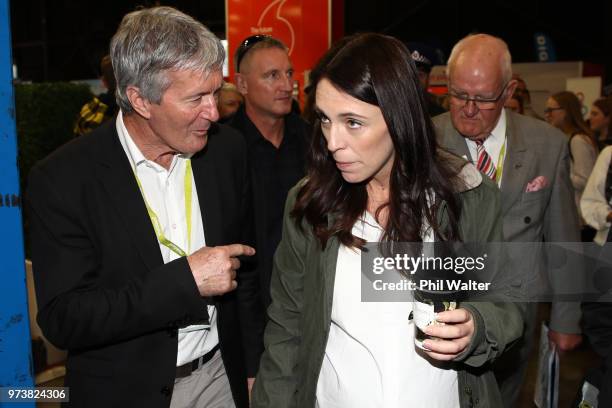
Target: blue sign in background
544 48
15 353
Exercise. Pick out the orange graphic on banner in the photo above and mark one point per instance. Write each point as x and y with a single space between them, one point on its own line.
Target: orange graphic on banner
304 26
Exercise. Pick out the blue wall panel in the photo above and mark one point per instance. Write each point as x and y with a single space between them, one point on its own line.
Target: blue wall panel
15 360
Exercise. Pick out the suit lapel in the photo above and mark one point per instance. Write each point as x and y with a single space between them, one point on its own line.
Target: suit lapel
115 174
209 196
516 166
327 265
455 143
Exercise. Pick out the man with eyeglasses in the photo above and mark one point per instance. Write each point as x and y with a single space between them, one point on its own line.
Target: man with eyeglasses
529 160
275 137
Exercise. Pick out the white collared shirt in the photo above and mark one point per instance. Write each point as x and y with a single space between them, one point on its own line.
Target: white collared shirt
492 144
370 358
164 192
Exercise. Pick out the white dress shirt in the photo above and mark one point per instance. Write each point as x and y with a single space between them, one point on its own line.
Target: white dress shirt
370 359
492 144
164 192
595 207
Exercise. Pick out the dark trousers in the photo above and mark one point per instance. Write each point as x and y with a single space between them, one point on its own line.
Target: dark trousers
511 367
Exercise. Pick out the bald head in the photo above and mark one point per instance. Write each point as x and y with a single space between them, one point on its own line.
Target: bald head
244 53
482 54
480 83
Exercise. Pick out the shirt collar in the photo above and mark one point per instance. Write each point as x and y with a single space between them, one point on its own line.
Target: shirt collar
132 151
242 121
134 155
498 135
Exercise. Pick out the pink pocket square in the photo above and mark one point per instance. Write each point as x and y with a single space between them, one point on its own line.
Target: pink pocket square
536 184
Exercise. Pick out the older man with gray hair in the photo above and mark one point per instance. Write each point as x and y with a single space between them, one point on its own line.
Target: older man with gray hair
529 161
137 232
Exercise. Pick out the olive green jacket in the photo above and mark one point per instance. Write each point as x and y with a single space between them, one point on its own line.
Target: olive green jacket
302 290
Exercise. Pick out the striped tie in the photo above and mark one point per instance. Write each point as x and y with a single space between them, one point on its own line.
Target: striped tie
485 164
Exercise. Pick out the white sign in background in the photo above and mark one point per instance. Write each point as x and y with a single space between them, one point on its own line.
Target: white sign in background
588 89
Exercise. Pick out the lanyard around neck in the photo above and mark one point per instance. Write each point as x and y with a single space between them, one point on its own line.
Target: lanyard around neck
155 220
500 164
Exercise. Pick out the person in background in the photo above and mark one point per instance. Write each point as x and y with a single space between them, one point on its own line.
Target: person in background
529 161
600 121
101 107
596 202
276 139
522 91
137 230
515 103
229 101
373 169
425 57
596 205
564 111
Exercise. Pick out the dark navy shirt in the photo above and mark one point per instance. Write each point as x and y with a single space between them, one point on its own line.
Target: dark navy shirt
274 171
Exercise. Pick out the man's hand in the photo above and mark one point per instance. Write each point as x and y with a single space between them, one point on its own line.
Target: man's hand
452 337
214 268
564 341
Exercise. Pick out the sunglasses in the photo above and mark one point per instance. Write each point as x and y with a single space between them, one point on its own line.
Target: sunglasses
246 45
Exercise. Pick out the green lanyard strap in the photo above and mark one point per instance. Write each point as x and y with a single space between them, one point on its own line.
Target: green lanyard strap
500 164
155 220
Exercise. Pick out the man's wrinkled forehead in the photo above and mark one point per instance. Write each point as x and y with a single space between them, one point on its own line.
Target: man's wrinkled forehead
255 54
476 73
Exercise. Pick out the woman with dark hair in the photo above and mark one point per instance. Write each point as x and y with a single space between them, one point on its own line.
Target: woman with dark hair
596 202
564 111
515 103
601 122
376 175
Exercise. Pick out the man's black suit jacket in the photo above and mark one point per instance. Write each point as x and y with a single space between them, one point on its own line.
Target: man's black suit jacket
104 292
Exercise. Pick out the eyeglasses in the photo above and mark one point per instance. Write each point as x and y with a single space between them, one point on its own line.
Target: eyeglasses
462 100
550 110
246 45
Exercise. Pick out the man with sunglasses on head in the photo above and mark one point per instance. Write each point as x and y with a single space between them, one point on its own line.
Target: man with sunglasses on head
275 136
529 160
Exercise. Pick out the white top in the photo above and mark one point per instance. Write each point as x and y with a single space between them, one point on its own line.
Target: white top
584 155
595 207
492 144
370 359
164 191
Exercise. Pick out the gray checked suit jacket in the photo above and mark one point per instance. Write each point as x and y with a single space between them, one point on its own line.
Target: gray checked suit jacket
534 149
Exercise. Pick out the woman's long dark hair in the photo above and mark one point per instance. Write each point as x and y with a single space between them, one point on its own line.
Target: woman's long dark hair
574 122
378 70
605 106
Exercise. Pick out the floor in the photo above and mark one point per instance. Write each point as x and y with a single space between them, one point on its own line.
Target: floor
573 367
